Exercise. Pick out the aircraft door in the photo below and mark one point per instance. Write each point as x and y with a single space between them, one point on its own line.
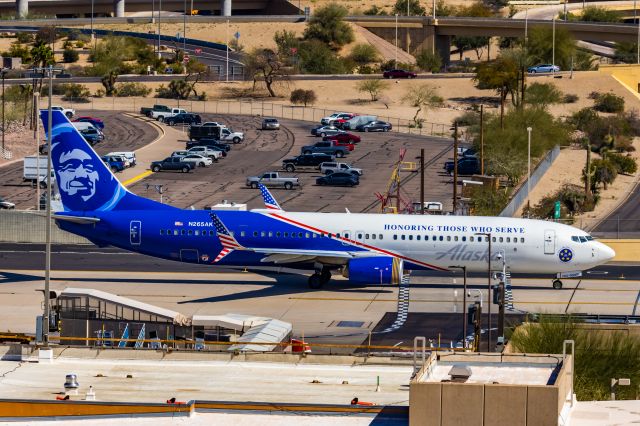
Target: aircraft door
135 232
549 241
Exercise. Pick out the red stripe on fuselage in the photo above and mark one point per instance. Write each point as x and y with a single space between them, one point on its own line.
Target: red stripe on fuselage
357 243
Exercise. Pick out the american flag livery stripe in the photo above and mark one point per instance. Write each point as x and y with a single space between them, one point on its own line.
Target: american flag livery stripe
269 201
227 240
357 243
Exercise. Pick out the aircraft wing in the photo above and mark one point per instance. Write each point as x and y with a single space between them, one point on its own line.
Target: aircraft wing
278 255
84 220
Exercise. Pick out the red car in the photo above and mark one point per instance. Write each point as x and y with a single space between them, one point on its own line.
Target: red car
336 142
338 122
399 74
343 137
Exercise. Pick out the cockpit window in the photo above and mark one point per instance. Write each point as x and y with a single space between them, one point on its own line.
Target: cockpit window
583 239
576 239
589 238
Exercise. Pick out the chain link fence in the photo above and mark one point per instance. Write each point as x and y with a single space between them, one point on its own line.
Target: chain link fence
248 107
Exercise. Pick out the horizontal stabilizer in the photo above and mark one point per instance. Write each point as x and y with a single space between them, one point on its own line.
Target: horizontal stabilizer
77 219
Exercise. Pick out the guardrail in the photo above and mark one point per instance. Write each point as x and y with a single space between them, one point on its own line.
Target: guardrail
248 107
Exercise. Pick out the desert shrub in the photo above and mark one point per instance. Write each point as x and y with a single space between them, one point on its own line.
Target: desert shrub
374 10
391 64
132 89
570 98
543 94
302 97
24 38
623 163
80 44
572 201
608 102
69 56
488 202
468 118
428 61
373 86
74 92
364 53
327 25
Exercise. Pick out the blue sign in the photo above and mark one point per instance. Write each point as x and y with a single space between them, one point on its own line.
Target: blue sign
237 34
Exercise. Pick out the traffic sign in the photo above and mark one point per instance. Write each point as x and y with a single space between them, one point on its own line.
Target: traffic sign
237 34
556 210
186 59
198 51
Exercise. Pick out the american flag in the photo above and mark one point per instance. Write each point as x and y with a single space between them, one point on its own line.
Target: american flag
228 242
269 201
178 223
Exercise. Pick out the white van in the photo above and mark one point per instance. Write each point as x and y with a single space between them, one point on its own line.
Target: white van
81 125
129 156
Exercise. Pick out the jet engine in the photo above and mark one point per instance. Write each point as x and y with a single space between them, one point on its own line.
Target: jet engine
374 270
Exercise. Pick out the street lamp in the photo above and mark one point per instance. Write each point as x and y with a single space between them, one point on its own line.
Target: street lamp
159 9
528 169
553 48
464 301
184 28
92 20
488 235
48 72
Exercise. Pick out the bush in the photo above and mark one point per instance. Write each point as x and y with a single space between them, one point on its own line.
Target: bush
327 25
74 92
623 163
69 56
375 10
428 61
124 90
572 201
24 38
570 98
391 64
80 44
608 102
543 94
372 86
488 202
469 118
317 58
302 96
363 53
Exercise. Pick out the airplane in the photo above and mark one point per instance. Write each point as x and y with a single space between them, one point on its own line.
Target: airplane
365 248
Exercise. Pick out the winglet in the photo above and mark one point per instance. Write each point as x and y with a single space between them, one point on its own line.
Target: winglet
227 240
269 202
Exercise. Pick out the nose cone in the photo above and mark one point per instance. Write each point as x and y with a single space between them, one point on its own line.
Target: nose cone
605 252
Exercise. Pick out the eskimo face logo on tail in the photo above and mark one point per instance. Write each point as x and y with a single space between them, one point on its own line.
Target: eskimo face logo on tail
78 177
84 181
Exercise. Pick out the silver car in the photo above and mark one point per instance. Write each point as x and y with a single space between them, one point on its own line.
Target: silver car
197 160
270 124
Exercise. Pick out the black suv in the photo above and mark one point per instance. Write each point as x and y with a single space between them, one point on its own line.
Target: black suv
187 118
172 163
306 161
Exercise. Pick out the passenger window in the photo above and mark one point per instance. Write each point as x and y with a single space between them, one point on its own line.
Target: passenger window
448 237
190 232
402 237
300 234
455 238
263 234
410 237
242 233
168 231
471 239
441 238
494 239
501 239
380 236
366 236
315 235
196 232
162 232
418 237
278 234
464 238
426 238
395 237
360 236
175 232
522 240
508 239
338 235
255 233
306 235
182 232
270 234
373 236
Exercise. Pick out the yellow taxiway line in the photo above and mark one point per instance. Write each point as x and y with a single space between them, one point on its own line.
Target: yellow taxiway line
349 299
137 178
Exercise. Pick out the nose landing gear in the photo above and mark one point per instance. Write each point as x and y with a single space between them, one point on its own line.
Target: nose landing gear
557 284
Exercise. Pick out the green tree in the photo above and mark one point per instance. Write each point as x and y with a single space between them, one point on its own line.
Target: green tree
70 55
477 10
443 9
415 9
363 54
543 94
327 25
41 54
428 60
421 96
540 46
264 65
374 10
476 43
599 14
626 52
373 86
501 75
317 58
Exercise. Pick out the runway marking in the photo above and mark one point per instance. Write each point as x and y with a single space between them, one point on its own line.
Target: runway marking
635 305
354 299
137 178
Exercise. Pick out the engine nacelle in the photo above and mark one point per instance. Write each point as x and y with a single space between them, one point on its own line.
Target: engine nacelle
374 270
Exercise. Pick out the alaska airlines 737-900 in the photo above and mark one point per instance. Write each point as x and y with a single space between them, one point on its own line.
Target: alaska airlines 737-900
366 248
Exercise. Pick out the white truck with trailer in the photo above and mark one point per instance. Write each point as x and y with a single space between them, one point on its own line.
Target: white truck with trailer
35 170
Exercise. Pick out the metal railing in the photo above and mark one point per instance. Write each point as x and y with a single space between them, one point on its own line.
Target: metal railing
247 107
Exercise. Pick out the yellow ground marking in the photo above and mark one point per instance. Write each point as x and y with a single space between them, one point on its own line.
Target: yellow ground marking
137 178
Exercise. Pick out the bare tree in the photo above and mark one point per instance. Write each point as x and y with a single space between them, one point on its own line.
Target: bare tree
265 65
422 96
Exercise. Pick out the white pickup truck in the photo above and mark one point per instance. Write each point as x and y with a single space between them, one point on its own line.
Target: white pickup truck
34 169
161 116
69 112
273 180
205 151
329 167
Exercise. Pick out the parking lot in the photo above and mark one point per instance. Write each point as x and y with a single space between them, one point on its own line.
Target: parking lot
263 151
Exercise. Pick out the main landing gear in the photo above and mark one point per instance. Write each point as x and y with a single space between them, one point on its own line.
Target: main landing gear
319 278
557 284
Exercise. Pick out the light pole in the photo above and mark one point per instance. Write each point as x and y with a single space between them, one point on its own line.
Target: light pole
478 322
3 71
395 64
159 9
184 29
227 51
502 285
36 137
553 48
464 302
488 235
92 20
526 28
528 170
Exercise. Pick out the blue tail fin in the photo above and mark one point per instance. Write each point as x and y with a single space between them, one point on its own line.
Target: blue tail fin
84 181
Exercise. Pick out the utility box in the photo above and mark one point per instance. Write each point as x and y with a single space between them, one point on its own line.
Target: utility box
11 63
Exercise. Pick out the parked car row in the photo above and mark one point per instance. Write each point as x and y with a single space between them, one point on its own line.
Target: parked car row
198 153
468 162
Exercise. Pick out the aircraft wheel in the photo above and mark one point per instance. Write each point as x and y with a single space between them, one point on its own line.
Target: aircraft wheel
557 284
325 275
315 281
